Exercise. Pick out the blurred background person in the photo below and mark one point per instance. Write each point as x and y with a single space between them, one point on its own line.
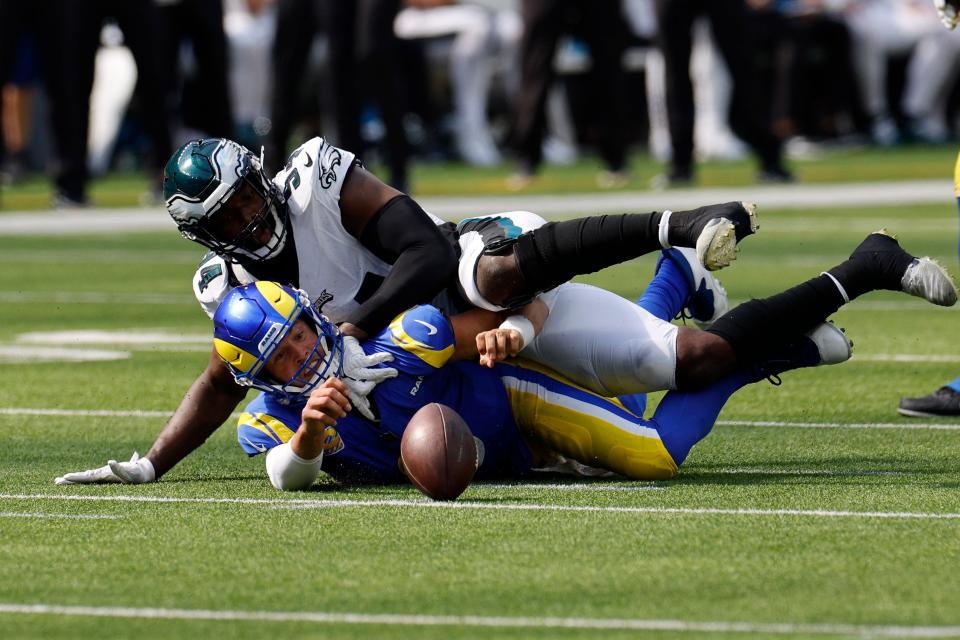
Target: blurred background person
944 401
74 27
114 83
250 26
602 27
18 85
712 136
885 28
749 109
820 97
365 67
481 37
195 85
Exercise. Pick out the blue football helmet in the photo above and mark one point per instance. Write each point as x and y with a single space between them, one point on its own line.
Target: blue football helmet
251 322
201 176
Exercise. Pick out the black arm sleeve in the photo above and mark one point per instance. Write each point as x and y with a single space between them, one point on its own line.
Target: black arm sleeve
424 262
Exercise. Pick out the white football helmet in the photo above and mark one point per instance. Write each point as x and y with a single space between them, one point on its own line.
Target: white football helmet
201 177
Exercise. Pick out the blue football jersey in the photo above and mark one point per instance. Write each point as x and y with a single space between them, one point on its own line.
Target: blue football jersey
421 341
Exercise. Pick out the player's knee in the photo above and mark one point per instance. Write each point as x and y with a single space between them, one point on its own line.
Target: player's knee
702 358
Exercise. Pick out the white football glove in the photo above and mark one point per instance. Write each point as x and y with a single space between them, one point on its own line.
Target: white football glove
137 471
360 376
949 11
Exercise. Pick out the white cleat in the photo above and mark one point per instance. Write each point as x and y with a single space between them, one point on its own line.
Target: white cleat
832 343
717 243
927 279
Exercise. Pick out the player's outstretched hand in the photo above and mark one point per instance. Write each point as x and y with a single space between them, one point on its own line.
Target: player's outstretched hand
326 404
949 11
361 374
136 471
498 344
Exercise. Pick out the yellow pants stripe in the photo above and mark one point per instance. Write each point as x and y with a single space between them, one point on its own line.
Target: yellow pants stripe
588 428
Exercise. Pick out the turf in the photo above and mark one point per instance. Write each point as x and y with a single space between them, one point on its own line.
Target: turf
772 554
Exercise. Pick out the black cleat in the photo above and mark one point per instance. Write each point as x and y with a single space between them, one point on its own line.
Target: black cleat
714 230
894 269
945 401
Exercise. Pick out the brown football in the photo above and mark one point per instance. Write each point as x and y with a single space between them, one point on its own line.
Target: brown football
438 452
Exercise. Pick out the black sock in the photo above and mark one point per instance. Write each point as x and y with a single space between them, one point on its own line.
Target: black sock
758 328
686 226
872 269
557 251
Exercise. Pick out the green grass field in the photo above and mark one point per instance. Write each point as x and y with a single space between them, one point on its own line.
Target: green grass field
842 522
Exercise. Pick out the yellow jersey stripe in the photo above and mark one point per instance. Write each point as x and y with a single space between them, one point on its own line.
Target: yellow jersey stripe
268 425
428 354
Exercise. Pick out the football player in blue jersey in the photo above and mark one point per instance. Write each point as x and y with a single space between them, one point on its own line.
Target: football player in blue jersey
272 338
525 415
945 401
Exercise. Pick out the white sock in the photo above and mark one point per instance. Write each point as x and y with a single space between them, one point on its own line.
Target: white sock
664 229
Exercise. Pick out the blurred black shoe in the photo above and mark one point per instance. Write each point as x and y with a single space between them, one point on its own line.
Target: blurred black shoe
15 169
62 200
775 175
945 401
673 179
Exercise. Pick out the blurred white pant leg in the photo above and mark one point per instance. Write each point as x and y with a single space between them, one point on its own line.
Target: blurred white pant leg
931 73
472 56
605 343
660 144
114 80
712 86
250 42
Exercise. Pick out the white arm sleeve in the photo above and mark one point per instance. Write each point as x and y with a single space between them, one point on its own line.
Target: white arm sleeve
290 472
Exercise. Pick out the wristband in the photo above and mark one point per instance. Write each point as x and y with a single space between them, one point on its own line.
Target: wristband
522 325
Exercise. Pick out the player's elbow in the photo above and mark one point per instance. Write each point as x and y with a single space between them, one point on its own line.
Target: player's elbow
441 264
288 471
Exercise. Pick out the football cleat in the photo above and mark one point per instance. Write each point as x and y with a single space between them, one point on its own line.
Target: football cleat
897 270
708 299
927 279
945 401
825 344
714 231
832 344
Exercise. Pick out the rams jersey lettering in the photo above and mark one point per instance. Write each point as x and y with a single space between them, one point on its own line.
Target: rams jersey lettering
357 450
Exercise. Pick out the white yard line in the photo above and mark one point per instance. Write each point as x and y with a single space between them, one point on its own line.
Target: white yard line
905 357
576 485
91 413
66 516
524 622
94 297
936 426
799 472
301 503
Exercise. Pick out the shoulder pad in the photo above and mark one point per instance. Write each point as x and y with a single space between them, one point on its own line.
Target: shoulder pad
425 333
214 279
